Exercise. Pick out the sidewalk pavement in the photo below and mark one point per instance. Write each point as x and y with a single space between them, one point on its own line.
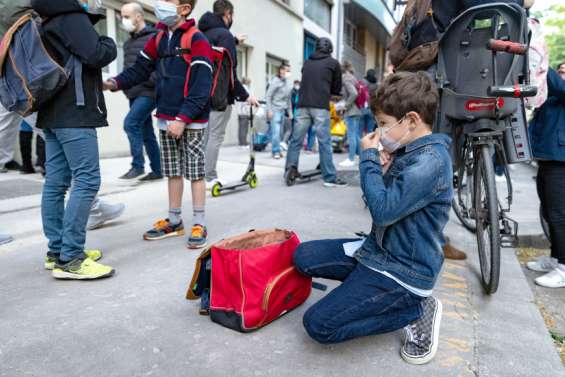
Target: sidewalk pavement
138 323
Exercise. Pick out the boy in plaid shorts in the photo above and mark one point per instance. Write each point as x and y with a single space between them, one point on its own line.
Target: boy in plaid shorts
181 119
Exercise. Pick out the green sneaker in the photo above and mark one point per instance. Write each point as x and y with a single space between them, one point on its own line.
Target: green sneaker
82 269
91 254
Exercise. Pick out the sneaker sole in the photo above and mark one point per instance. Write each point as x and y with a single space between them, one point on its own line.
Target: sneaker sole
62 275
190 247
174 234
424 359
332 185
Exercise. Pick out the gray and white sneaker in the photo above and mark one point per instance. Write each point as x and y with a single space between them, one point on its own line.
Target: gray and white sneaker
422 336
337 183
542 264
102 212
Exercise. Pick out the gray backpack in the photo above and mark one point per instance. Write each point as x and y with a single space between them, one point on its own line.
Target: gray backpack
29 76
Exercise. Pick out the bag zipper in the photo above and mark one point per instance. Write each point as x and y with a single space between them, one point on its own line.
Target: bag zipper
270 286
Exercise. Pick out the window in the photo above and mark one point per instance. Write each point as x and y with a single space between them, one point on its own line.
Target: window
272 68
241 62
319 11
309 46
351 34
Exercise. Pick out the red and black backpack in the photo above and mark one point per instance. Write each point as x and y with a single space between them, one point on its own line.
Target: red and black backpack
222 66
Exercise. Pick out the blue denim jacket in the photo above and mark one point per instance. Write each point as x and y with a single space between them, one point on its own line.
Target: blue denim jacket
410 207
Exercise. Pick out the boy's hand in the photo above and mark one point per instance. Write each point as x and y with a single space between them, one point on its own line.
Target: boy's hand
372 140
386 160
176 129
110 85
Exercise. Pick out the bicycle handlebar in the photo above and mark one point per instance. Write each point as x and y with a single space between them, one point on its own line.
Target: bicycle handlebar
506 46
516 91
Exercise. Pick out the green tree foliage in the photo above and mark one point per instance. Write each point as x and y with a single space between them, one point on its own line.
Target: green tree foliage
554 21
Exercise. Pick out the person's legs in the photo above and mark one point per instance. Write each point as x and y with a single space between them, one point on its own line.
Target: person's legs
366 303
151 144
40 152
9 128
57 182
26 141
368 122
134 123
324 259
322 125
353 135
551 183
311 139
276 124
215 134
80 146
303 122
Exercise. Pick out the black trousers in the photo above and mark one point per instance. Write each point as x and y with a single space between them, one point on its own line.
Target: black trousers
551 191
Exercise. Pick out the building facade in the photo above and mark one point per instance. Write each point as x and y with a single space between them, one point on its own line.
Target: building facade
278 31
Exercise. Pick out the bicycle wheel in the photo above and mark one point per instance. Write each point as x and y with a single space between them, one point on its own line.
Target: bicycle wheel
463 200
544 224
487 220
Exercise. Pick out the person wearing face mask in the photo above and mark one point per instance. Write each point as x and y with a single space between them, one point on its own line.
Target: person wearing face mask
184 84
387 279
278 104
69 124
216 26
138 124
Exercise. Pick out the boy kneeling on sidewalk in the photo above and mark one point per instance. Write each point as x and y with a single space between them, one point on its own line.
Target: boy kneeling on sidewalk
387 279
181 119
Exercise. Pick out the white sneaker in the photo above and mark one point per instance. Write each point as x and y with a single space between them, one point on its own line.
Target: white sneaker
542 264
553 279
284 146
347 163
102 212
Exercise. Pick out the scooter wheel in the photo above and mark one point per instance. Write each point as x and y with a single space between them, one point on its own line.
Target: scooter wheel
290 178
253 181
216 190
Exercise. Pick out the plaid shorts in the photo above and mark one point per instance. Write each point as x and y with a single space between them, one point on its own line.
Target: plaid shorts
183 157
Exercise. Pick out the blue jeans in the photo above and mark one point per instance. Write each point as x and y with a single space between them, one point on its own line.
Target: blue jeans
366 302
139 129
320 119
311 138
276 127
368 123
71 157
353 136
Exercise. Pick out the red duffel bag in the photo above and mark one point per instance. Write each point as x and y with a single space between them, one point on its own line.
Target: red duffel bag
248 281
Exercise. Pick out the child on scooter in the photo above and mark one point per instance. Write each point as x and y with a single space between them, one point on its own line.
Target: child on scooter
388 278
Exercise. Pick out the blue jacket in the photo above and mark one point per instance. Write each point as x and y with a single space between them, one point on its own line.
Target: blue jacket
547 129
410 208
174 75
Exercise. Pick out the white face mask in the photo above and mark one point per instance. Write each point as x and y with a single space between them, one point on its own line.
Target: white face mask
389 144
166 13
288 75
128 25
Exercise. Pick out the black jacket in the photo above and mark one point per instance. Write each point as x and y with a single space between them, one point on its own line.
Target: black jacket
68 29
132 47
321 78
215 29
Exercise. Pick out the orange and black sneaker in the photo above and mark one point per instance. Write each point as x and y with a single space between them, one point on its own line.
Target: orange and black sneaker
164 229
198 237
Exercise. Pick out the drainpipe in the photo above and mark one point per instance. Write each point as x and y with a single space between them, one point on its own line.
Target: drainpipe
340 28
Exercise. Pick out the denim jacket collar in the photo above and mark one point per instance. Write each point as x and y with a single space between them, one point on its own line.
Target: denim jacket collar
428 140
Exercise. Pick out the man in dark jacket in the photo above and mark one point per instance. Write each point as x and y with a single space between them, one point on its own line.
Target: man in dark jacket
69 124
138 123
216 26
321 79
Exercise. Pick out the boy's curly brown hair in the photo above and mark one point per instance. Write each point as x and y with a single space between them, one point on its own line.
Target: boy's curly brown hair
403 92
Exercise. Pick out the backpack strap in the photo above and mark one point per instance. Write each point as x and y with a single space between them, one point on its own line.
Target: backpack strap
186 44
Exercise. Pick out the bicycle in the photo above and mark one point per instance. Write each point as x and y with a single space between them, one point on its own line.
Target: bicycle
484 111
